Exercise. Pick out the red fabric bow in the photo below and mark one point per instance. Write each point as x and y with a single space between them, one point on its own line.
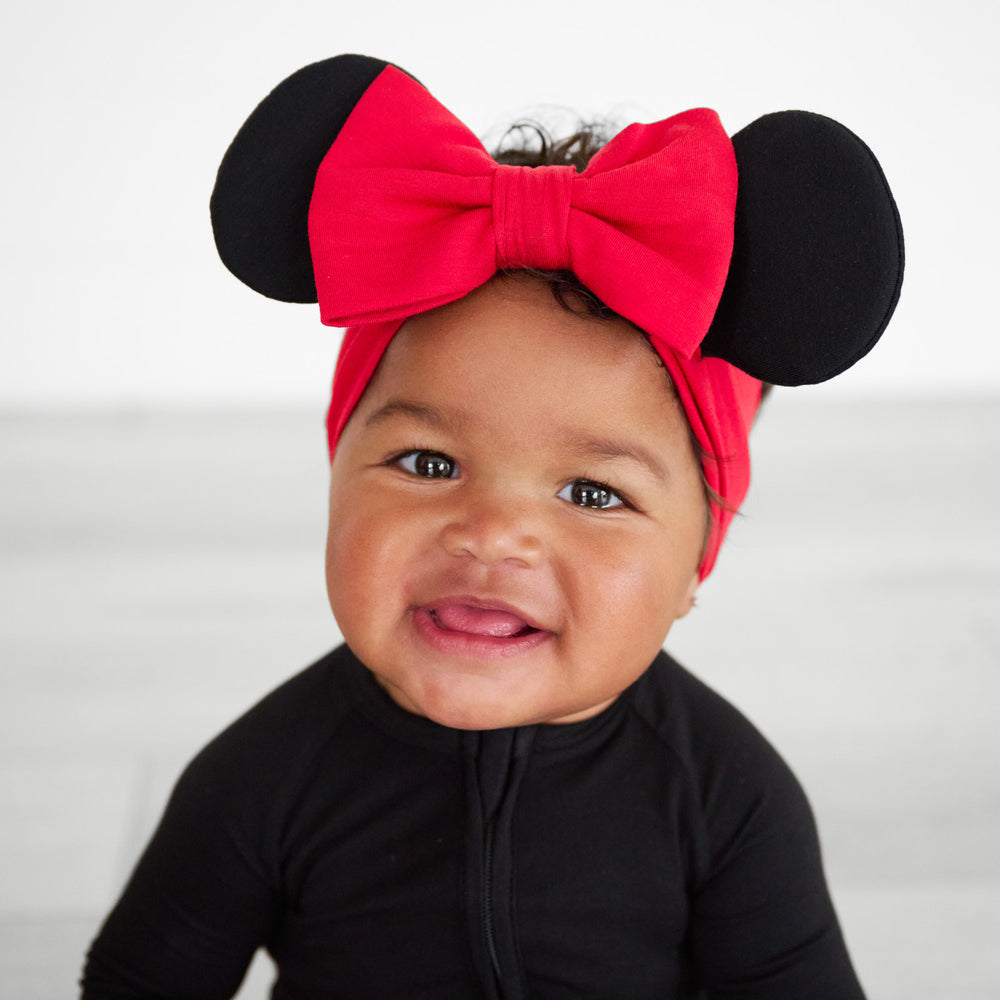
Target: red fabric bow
409 212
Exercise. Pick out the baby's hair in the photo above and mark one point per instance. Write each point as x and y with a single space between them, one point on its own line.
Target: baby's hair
528 143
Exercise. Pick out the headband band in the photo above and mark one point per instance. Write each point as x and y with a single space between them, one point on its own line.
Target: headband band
351 185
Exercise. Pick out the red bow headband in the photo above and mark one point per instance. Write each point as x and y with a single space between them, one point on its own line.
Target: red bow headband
406 211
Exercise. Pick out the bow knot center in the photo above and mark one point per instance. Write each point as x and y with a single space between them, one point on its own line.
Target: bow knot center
530 214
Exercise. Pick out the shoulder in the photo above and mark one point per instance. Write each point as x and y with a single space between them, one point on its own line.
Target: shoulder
698 724
258 763
762 924
304 708
742 788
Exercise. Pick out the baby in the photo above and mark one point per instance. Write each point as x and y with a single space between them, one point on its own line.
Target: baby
500 786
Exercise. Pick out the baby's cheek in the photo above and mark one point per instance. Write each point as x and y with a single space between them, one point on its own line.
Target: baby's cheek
346 580
641 590
363 565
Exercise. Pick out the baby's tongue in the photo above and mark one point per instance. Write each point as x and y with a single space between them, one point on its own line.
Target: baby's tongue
478 621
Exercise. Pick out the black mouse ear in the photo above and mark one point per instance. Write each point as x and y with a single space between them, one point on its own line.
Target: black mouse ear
818 254
260 205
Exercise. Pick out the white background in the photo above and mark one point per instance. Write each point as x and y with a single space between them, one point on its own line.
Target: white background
116 114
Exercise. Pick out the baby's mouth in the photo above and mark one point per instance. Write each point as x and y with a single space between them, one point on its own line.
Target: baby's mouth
490 622
478 630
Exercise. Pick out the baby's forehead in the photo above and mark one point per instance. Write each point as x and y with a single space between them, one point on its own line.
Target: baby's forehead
519 332
505 352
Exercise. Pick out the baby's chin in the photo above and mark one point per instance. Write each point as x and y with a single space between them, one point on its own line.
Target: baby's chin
479 710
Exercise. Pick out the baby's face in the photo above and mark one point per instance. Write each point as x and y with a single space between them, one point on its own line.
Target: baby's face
516 512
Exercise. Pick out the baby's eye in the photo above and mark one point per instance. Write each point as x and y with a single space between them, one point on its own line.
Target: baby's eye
428 464
587 493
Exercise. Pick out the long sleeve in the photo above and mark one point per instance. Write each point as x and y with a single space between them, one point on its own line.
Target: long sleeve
200 901
211 886
762 923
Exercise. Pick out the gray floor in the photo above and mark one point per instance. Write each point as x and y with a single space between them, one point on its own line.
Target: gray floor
159 573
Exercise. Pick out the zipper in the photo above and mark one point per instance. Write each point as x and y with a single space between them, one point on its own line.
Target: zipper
495 764
488 915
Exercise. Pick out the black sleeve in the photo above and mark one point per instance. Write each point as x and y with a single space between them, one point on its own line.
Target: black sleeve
761 923
201 899
763 926
208 892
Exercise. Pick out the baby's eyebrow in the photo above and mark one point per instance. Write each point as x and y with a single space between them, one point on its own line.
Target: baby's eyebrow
590 446
425 413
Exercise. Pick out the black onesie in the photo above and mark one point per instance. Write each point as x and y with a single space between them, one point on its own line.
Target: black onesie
660 850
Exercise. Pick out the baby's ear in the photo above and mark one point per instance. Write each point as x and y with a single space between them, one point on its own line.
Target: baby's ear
260 205
687 601
818 252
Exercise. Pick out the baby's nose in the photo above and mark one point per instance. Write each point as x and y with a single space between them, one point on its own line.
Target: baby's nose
493 532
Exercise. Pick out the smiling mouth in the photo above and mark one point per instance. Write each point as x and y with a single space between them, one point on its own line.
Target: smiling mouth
492 623
455 627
